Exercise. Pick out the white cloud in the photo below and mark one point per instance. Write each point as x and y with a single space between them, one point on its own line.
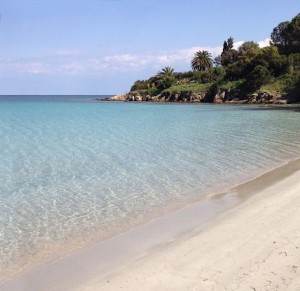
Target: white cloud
72 62
67 53
261 43
264 43
23 67
154 60
237 44
34 68
73 68
120 58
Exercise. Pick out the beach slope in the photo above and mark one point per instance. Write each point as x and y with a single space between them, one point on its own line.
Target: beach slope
255 246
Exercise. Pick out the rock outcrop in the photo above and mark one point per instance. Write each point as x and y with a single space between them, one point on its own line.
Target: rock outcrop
262 97
121 97
222 97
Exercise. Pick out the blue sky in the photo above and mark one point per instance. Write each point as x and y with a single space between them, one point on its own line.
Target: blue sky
103 46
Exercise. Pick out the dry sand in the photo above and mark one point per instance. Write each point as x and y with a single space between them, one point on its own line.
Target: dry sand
253 246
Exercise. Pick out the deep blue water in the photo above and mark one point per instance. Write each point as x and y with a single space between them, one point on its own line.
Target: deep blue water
72 169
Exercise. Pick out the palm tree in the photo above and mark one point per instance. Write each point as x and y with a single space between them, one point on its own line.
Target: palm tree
166 72
202 61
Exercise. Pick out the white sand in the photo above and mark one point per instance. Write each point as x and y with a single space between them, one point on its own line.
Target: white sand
255 246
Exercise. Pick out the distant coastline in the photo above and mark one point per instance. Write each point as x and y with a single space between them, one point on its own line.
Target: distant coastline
223 97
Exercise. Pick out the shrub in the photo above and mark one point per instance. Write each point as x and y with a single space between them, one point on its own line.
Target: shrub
153 91
166 82
259 76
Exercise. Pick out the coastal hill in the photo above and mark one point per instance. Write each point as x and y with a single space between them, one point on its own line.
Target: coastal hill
248 74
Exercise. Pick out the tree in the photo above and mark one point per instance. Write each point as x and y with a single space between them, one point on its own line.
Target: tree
202 61
139 85
293 35
286 36
228 57
244 64
167 71
270 58
279 36
218 61
166 82
259 76
230 43
165 78
229 54
248 46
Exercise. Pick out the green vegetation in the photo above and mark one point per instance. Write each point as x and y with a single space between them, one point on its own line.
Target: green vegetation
202 61
242 71
166 72
193 88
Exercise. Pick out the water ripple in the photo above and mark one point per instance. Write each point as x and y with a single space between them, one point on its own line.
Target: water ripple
74 172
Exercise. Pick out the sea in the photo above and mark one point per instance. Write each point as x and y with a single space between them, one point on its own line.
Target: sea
74 171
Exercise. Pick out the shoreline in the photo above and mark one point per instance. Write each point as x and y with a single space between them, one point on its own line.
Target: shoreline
221 97
254 246
103 257
261 106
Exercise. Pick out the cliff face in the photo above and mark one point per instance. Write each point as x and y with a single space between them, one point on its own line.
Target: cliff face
222 97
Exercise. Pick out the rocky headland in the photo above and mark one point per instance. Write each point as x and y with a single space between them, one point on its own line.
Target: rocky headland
248 74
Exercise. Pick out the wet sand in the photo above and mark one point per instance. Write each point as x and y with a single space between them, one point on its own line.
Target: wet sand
246 238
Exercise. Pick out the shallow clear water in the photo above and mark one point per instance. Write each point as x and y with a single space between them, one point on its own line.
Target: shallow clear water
73 170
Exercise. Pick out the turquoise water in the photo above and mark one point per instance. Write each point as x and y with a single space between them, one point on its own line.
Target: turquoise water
73 171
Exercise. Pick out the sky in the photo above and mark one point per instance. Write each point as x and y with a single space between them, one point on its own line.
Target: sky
95 47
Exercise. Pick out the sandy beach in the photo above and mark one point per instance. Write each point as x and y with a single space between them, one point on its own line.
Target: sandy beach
255 246
252 246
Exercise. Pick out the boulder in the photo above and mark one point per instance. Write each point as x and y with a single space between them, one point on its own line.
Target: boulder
138 98
155 98
219 97
121 97
281 101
